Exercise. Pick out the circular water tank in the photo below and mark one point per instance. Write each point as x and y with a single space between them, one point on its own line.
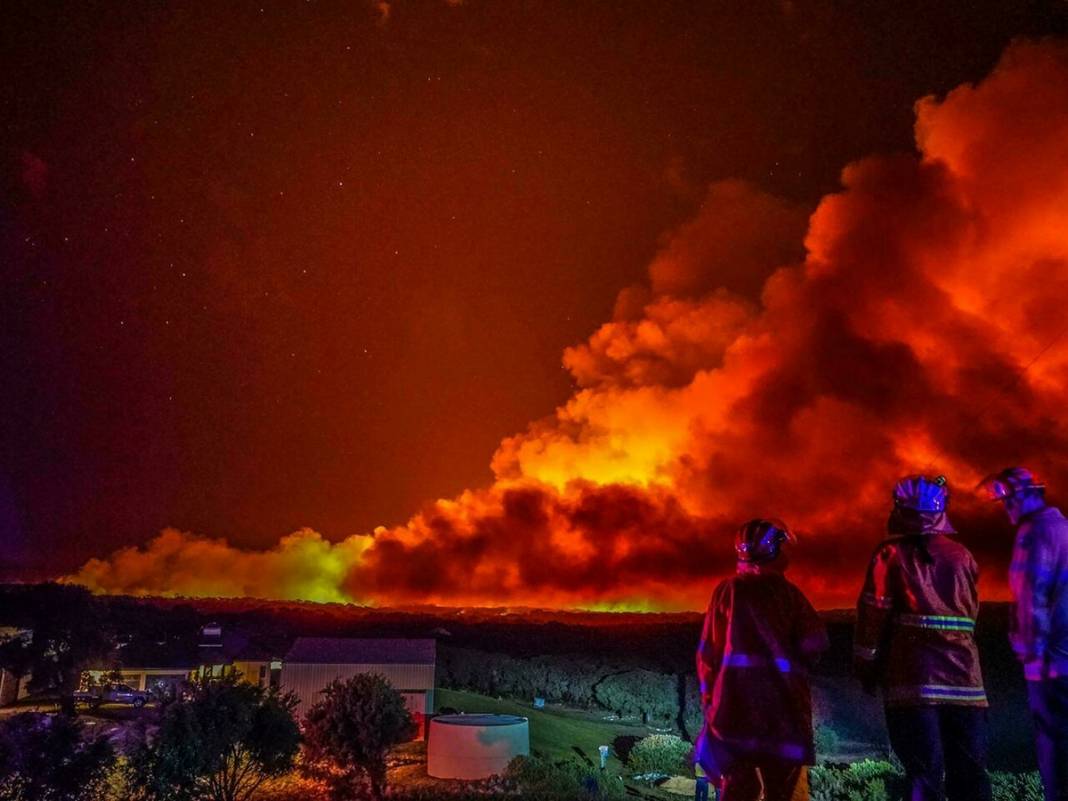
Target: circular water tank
475 746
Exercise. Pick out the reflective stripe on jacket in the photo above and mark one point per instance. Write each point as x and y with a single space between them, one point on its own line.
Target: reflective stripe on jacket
1038 578
915 631
759 639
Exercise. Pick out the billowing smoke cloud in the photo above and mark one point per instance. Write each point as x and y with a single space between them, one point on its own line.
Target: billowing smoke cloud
302 566
919 328
737 238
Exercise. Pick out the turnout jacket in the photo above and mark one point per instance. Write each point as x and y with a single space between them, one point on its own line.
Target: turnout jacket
915 632
759 640
1038 578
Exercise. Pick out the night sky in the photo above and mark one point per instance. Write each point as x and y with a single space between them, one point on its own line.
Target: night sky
282 264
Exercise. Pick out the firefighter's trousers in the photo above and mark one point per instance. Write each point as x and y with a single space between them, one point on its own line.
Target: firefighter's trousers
943 749
1049 709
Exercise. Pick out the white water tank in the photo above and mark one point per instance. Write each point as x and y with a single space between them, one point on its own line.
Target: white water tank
475 746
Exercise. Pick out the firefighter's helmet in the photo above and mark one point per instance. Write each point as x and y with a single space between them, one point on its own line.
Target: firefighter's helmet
921 494
1010 482
760 540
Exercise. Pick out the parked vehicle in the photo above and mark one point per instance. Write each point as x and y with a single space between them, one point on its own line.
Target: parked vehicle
113 694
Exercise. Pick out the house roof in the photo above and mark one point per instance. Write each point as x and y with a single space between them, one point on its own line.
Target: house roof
140 653
338 651
233 645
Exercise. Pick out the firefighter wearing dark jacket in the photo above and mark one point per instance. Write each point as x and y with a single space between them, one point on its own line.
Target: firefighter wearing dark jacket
1038 579
761 636
915 639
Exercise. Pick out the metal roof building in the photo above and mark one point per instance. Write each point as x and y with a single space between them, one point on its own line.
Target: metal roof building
313 662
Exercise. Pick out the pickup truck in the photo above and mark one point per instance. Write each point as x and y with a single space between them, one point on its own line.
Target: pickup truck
112 694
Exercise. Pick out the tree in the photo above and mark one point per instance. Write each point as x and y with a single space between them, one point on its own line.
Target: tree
348 733
50 757
222 745
639 692
66 632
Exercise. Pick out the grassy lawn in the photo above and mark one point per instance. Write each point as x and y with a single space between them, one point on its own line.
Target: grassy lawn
553 733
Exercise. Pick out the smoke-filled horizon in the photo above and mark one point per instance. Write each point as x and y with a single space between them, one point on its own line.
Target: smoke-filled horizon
913 322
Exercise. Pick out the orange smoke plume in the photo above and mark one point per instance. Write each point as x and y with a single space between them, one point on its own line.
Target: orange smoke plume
917 329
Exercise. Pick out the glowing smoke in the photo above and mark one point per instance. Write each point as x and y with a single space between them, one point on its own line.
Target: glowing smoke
903 337
302 566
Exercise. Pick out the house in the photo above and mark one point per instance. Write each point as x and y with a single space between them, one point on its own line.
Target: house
223 653
146 664
313 662
171 663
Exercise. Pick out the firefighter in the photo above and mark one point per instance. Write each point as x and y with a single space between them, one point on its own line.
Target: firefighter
915 639
1038 579
760 637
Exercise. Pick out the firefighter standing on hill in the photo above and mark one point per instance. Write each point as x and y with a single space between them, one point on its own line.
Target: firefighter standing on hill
760 637
915 639
1038 579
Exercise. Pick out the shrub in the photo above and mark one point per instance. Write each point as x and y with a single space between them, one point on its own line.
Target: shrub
660 753
1017 787
875 780
867 780
567 780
